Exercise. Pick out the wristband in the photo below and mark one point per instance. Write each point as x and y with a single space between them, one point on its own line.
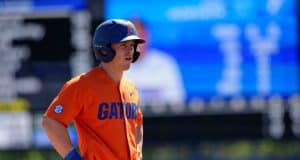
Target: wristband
73 155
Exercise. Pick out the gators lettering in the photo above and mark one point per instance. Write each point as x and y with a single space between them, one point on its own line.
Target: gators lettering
117 110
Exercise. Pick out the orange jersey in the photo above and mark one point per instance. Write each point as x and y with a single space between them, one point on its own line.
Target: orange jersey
105 115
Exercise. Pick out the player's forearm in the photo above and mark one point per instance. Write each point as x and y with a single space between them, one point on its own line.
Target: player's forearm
58 135
140 133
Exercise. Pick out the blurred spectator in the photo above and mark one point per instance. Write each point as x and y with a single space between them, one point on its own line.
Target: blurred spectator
156 73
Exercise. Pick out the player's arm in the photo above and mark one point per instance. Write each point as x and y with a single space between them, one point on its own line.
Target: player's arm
58 135
140 134
139 131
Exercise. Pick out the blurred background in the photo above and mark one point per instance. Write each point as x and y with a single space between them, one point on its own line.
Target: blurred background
219 79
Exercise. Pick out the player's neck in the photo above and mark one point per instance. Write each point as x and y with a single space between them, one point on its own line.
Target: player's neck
113 74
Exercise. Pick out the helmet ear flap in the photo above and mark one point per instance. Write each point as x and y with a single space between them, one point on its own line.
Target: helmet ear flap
103 53
97 52
136 53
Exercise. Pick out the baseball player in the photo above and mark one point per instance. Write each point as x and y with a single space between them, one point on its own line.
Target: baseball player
103 104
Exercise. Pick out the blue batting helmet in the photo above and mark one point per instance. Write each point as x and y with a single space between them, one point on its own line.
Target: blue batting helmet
114 31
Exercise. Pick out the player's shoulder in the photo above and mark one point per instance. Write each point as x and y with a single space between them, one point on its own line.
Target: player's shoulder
80 81
128 82
73 84
130 85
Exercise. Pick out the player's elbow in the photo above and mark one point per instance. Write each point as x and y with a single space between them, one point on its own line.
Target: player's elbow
49 124
46 123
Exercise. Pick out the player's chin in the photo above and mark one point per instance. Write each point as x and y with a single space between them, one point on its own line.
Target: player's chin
126 66
127 63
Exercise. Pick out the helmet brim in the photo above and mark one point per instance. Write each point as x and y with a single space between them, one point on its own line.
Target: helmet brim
133 37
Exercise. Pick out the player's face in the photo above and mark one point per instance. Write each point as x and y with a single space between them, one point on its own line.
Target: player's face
124 54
